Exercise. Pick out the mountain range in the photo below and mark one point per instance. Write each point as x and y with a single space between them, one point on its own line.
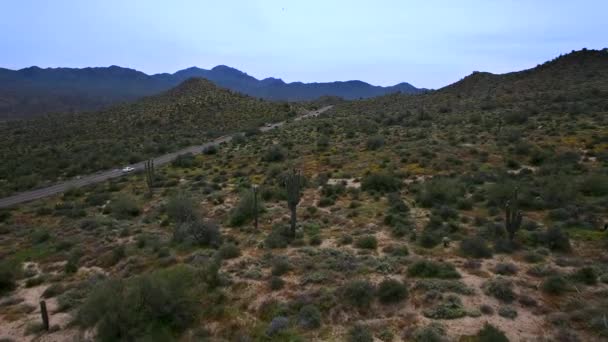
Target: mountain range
35 91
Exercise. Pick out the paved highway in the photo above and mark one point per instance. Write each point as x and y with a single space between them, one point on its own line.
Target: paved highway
109 174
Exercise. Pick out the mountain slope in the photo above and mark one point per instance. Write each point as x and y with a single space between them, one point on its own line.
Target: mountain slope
46 148
34 91
568 84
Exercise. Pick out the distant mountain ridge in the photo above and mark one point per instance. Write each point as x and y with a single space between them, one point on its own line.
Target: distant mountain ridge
36 91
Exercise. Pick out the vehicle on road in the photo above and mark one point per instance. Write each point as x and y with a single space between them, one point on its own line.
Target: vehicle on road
128 169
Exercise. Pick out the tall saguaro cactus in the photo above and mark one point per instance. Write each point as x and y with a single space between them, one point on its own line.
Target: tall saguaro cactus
254 189
149 166
293 184
513 216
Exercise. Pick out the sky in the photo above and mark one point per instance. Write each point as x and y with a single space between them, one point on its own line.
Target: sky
427 43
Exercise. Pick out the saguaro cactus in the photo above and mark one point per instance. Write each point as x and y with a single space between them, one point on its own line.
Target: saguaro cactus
293 184
149 166
254 189
513 216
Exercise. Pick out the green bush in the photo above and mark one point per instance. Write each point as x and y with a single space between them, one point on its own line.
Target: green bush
391 291
504 268
500 288
275 153
586 275
161 304
375 142
381 182
8 276
490 333
124 207
433 332
280 266
181 208
450 308
360 333
198 232
358 293
594 185
432 269
507 312
439 191
245 209
367 242
276 283
229 251
309 317
555 285
475 247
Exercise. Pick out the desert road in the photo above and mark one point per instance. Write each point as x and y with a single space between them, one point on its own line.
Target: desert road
114 173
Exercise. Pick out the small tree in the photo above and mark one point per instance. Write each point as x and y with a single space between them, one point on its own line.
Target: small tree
513 216
293 186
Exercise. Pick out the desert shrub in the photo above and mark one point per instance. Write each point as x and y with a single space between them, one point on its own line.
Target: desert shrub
557 240
360 333
439 191
53 291
505 268
274 153
209 150
161 304
280 266
450 308
185 161
490 333
97 199
8 276
526 300
396 250
429 238
346 239
432 269
586 275
279 237
309 317
124 207
475 247
443 286
594 185
507 312
245 209
375 142
366 242
515 117
181 208
390 291
555 285
40 235
381 182
486 309
433 332
198 232
358 293
229 251
500 288
276 283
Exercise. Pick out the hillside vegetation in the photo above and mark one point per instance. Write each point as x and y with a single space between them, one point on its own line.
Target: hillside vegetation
65 145
472 213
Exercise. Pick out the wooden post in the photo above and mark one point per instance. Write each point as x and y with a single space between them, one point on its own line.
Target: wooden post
45 315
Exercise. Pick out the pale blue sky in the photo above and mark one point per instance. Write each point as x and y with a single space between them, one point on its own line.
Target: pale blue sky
427 43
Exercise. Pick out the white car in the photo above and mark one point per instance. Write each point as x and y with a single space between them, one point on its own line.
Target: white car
128 169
